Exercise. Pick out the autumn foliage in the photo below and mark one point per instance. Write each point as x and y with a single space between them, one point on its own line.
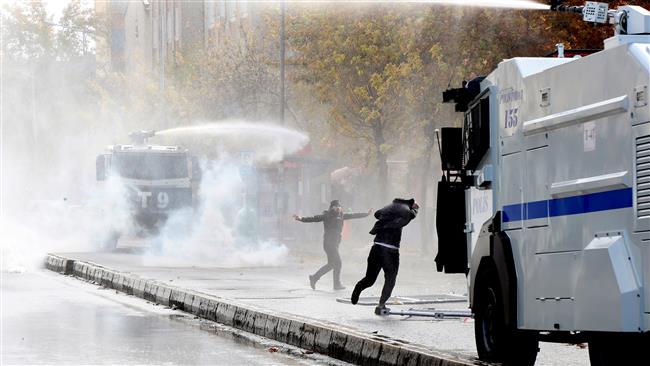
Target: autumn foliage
365 80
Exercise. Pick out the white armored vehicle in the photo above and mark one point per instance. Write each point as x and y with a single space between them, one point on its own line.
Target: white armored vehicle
545 200
158 179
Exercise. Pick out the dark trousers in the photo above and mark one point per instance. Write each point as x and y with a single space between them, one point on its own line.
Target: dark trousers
381 258
333 263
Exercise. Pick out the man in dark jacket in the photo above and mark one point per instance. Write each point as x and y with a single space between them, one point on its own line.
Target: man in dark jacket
384 254
332 220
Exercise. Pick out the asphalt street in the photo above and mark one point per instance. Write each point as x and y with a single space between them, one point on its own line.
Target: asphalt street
285 288
48 318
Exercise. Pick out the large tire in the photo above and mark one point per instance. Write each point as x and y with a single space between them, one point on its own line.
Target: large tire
618 349
495 341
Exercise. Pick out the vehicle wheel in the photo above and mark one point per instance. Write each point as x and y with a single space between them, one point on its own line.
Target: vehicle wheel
496 342
618 349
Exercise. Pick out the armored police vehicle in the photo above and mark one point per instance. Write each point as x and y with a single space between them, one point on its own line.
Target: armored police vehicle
545 199
158 179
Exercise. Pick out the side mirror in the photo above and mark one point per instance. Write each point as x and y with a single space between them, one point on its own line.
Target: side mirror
196 169
100 168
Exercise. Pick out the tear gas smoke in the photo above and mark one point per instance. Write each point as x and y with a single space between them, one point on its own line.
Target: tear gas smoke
210 234
51 202
49 137
215 234
222 229
61 225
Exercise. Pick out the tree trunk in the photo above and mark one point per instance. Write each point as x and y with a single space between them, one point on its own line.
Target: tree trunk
382 164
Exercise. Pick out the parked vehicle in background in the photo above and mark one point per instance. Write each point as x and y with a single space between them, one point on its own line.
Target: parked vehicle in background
158 180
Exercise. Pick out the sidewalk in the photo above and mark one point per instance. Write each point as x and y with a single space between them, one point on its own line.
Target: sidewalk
255 299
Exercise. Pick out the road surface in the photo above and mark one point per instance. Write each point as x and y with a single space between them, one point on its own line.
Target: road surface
48 318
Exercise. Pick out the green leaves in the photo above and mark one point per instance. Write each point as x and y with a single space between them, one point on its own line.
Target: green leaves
26 34
30 34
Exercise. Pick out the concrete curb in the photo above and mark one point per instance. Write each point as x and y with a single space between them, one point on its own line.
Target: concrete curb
326 338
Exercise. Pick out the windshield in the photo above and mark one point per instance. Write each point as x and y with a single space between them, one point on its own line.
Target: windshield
151 165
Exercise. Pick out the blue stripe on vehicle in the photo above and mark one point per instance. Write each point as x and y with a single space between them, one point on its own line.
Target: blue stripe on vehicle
512 212
536 210
574 205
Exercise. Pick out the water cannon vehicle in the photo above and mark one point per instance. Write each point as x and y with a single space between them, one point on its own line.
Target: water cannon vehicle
544 201
158 179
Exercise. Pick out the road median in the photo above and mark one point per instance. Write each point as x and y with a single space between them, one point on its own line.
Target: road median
327 338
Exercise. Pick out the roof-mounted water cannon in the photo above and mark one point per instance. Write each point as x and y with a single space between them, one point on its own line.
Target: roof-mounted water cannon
140 137
464 95
628 19
556 5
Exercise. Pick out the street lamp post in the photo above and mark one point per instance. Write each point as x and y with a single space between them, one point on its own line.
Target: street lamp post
162 44
282 106
282 88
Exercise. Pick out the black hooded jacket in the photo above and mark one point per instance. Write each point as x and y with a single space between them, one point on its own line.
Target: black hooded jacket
391 219
333 223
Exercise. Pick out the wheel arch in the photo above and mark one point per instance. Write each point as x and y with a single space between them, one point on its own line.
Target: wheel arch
493 251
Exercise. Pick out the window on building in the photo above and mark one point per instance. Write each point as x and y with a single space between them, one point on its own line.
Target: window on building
227 11
243 8
169 25
155 16
210 14
222 10
234 6
177 22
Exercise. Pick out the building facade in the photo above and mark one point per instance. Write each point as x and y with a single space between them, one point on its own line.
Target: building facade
150 34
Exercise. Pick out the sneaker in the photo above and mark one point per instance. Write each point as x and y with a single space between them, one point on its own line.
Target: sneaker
382 310
312 282
355 295
339 287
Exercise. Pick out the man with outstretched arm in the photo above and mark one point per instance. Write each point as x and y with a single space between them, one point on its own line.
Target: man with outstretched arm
332 220
384 253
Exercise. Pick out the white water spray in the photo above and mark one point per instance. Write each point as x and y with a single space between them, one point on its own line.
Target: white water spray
269 143
505 4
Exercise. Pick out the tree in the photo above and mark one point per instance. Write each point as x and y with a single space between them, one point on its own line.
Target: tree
238 78
25 32
77 28
357 63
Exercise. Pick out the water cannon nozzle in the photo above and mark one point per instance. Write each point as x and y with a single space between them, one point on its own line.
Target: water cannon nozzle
140 137
556 5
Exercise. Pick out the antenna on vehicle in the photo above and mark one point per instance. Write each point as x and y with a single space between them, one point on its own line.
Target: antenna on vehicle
437 132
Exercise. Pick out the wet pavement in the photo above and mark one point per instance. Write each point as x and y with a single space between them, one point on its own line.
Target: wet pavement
48 318
285 288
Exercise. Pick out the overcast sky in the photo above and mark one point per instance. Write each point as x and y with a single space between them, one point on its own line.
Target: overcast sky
55 7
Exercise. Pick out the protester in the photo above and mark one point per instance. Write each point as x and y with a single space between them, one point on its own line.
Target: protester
333 222
384 254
